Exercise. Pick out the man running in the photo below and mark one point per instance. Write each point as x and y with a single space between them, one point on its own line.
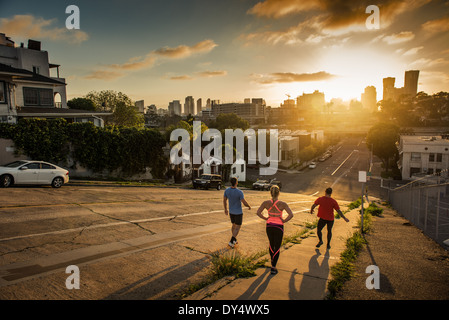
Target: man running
235 198
326 214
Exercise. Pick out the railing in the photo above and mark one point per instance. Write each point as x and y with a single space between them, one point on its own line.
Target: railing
426 205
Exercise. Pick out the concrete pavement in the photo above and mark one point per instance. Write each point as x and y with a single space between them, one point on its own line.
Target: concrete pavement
304 270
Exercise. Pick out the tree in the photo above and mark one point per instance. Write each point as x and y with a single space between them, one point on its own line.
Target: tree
229 121
381 140
127 116
82 104
107 100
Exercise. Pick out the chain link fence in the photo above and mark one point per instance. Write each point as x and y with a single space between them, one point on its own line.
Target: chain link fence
425 203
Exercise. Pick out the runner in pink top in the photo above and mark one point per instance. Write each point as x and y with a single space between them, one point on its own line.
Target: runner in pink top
275 223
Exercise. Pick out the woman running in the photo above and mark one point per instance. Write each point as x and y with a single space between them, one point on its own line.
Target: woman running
275 223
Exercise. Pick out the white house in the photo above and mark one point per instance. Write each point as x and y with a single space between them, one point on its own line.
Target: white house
214 166
423 155
238 170
28 90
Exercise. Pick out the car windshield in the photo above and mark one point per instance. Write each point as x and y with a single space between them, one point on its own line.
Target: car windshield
14 164
205 177
261 181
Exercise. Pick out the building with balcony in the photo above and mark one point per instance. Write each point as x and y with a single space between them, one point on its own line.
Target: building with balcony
29 89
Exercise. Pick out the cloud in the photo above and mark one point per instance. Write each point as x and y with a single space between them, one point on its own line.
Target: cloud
209 74
288 77
280 8
412 51
183 77
135 63
202 74
184 51
28 26
436 26
103 75
147 61
334 17
396 38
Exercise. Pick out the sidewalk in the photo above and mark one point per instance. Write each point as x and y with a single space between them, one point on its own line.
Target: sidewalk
303 271
412 267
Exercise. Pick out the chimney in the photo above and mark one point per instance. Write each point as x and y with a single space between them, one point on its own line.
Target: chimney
34 45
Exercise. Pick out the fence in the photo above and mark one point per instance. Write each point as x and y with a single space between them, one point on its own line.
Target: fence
424 205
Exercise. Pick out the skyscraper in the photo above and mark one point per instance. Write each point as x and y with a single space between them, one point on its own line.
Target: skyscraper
189 106
369 99
388 92
411 82
199 105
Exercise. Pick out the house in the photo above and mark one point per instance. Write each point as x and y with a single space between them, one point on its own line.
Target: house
214 165
238 170
423 155
28 90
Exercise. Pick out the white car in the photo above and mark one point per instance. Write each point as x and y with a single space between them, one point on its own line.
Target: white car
32 172
312 165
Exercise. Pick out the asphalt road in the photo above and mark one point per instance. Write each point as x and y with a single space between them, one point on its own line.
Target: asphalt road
340 172
128 242
143 242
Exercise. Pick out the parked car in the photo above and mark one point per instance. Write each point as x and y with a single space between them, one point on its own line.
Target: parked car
275 182
266 185
260 184
312 165
27 172
207 181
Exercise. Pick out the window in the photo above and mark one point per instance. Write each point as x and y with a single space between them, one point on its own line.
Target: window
415 156
36 70
432 157
439 157
31 96
37 97
47 166
34 165
2 92
242 168
234 170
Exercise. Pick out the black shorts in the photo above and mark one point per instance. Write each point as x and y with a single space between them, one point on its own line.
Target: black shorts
236 218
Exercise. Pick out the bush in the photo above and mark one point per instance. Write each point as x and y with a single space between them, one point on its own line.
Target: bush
233 263
374 210
128 149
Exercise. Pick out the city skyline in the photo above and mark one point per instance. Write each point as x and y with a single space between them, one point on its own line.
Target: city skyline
168 50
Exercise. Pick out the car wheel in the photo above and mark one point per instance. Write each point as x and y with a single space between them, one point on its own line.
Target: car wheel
6 181
219 186
57 182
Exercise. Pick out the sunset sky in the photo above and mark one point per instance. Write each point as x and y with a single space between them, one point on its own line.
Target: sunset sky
229 50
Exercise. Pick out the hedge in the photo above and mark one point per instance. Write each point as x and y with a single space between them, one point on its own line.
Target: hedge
130 150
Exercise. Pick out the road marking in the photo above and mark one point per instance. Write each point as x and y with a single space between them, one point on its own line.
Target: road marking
26 270
342 163
105 225
314 194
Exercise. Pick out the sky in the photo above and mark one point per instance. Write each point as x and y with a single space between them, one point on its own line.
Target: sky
229 50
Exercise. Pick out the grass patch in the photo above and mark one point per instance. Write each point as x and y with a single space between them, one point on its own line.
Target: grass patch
234 263
344 269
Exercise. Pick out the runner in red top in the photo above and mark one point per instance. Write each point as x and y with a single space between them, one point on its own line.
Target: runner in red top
327 205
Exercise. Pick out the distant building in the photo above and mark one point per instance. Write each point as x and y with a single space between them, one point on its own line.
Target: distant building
253 112
199 105
369 99
174 108
411 82
409 90
189 106
423 155
313 100
140 106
